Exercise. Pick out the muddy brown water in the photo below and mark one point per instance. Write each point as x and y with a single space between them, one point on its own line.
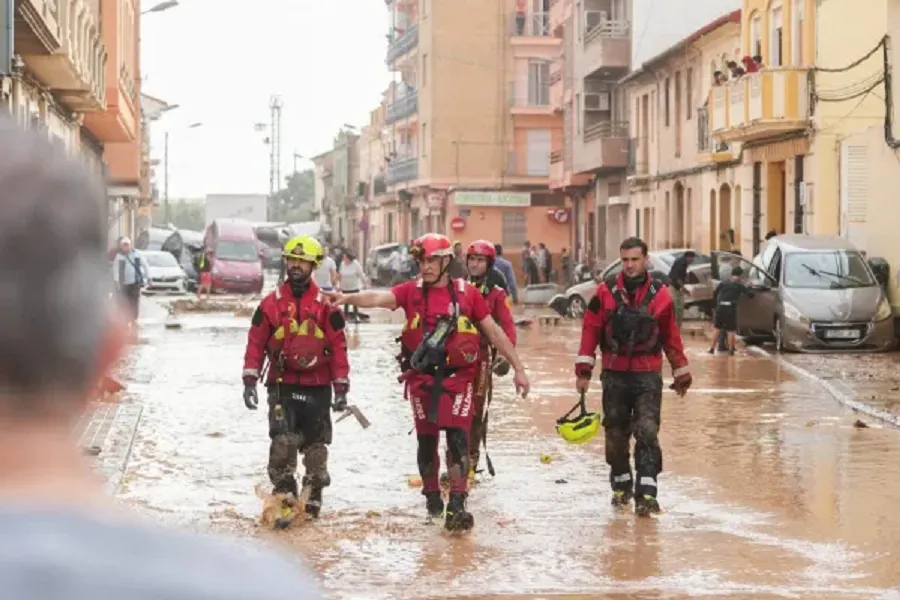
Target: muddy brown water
769 491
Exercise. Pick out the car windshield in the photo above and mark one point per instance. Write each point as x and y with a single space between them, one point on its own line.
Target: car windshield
830 270
160 259
236 251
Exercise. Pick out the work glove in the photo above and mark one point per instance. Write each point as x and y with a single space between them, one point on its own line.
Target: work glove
682 383
583 371
341 388
251 398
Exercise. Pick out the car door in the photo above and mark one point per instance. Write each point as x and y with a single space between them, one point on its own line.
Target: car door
756 313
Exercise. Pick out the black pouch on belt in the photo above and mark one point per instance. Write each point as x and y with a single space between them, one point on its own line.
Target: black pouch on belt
431 358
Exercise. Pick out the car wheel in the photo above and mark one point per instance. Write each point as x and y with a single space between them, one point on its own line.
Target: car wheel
576 307
778 332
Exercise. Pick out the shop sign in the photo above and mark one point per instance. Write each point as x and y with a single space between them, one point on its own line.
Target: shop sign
497 199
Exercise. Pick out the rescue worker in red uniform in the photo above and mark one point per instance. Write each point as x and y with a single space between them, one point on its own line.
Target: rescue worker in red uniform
632 319
480 257
302 336
445 319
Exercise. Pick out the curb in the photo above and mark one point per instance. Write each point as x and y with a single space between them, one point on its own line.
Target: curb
843 396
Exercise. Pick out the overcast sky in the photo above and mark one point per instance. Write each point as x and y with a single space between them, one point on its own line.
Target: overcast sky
221 60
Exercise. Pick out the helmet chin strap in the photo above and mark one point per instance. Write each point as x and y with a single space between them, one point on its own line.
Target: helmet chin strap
444 270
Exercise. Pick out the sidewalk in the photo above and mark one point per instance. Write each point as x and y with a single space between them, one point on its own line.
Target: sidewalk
866 383
110 427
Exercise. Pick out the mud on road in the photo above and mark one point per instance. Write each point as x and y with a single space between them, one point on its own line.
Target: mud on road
769 491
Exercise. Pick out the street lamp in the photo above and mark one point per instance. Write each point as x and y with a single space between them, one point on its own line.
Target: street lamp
161 7
166 167
296 156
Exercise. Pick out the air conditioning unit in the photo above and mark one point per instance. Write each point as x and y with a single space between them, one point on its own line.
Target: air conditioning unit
593 18
596 102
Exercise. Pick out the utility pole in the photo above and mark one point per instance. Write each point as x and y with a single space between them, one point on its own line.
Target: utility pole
275 105
166 181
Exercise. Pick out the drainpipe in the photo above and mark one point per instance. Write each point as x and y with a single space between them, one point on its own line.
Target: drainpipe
798 194
757 205
6 41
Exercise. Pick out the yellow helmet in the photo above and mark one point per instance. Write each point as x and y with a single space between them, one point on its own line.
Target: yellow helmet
304 247
579 429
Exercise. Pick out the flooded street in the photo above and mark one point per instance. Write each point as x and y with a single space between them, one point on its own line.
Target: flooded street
768 491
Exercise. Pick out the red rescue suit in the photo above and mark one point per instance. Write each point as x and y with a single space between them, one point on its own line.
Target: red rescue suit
303 339
598 330
423 306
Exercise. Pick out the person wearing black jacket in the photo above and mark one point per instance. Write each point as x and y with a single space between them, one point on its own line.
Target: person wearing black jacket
726 298
678 277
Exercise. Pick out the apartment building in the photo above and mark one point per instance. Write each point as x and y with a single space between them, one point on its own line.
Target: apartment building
766 117
379 208
588 162
683 192
469 125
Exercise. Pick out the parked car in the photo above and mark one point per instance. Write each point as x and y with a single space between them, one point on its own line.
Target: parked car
811 294
236 256
698 290
165 272
378 267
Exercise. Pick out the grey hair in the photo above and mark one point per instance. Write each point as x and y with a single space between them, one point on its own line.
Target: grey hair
54 281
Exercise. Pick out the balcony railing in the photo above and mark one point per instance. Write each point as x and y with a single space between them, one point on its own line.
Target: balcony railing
537 96
597 27
605 129
402 169
638 160
402 107
403 43
534 24
42 17
760 104
706 144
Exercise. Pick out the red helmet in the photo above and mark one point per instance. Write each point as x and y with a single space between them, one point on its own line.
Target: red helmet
431 244
482 248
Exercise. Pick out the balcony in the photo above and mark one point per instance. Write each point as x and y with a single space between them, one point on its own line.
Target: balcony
557 87
708 149
529 165
403 107
403 43
120 122
532 28
605 47
37 29
761 105
603 146
533 100
401 170
76 70
638 168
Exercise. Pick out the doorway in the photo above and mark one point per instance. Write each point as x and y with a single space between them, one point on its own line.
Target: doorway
776 206
679 239
724 242
713 237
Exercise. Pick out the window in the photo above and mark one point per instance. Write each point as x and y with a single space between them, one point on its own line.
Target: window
689 91
637 118
578 113
667 90
756 36
423 78
237 251
829 270
514 229
653 113
538 83
797 17
160 259
775 58
423 143
677 114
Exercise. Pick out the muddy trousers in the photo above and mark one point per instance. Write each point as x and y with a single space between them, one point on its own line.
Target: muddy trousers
457 461
631 407
299 423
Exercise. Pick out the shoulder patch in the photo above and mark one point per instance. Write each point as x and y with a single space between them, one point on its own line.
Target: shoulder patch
594 305
258 317
509 303
336 319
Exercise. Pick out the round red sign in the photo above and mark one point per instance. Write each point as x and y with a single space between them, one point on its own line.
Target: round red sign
458 224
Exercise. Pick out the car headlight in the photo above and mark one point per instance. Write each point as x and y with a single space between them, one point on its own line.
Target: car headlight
884 310
792 313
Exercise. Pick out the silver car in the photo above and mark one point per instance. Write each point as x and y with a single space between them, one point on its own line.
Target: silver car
811 294
697 293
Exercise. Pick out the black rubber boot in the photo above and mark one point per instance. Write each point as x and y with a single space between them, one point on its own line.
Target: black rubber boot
445 481
314 503
621 497
644 506
434 505
457 518
288 506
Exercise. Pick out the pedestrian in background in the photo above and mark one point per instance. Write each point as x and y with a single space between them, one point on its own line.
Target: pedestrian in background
726 298
131 275
505 267
326 273
678 275
63 536
353 280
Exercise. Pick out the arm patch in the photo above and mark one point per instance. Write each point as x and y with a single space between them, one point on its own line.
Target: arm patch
336 319
594 305
258 317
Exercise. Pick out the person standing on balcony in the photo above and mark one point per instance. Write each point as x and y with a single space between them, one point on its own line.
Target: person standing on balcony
521 16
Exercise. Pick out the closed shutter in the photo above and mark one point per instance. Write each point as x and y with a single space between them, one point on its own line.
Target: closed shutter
513 229
854 192
539 152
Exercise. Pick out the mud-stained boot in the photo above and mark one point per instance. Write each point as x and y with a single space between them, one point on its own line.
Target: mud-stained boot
445 481
645 505
621 498
314 502
434 505
473 478
456 517
287 492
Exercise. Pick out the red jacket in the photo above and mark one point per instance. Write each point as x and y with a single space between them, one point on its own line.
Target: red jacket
500 306
597 327
306 336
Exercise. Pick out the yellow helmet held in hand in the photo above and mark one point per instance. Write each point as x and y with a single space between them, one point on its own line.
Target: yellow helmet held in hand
304 247
579 429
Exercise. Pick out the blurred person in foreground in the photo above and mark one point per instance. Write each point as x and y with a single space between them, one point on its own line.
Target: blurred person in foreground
62 536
